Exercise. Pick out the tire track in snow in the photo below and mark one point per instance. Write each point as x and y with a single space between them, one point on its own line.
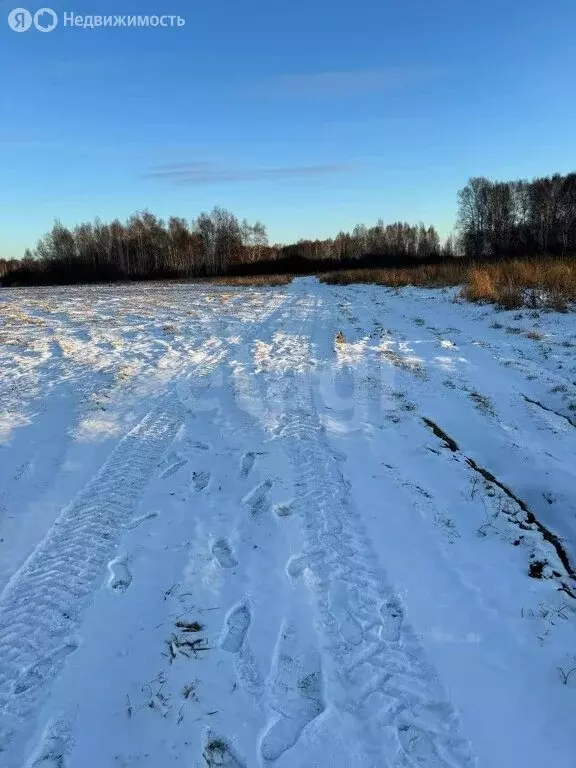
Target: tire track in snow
43 603
383 679
380 675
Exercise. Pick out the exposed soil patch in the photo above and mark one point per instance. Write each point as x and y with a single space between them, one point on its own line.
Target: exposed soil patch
550 410
531 519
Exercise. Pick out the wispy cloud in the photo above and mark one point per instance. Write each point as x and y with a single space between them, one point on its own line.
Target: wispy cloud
349 82
207 173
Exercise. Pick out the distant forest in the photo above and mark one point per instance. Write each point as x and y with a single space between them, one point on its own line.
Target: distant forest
495 220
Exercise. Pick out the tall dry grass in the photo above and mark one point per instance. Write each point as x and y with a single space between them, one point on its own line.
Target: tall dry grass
535 283
433 275
247 280
545 282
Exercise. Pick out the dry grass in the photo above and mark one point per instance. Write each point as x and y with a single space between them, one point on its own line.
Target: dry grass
535 283
241 280
432 275
547 283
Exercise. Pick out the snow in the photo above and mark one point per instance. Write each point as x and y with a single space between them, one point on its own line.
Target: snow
227 539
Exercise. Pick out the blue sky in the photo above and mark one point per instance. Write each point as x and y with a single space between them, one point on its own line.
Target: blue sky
311 115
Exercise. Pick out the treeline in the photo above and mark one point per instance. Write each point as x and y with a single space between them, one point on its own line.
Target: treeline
8 265
518 218
215 243
382 243
143 247
495 220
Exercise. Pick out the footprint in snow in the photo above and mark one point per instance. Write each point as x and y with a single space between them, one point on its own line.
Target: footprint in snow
350 629
236 628
120 574
392 614
200 480
297 565
294 692
283 509
222 553
258 499
247 464
24 471
218 753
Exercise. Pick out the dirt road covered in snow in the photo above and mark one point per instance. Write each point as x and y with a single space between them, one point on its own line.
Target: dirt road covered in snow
228 540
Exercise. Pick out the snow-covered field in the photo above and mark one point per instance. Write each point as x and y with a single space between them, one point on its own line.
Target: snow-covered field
228 540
